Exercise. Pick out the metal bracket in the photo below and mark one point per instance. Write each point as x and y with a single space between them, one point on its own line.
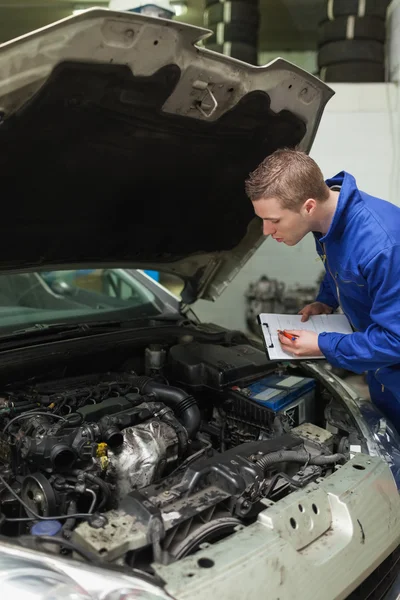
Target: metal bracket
202 105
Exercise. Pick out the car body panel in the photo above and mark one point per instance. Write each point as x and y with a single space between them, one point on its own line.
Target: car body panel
380 436
326 555
136 94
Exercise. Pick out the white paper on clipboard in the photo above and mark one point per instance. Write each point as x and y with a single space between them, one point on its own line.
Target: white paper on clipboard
270 323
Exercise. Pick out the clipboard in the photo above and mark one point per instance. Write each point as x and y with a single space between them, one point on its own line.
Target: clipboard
270 323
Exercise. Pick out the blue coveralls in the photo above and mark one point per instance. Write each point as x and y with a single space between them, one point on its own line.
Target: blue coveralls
361 254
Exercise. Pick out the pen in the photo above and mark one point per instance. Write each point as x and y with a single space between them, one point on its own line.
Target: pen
289 337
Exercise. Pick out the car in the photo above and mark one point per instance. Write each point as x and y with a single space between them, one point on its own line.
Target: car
144 453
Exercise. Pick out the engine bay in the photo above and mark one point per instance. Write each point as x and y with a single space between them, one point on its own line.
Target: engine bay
140 466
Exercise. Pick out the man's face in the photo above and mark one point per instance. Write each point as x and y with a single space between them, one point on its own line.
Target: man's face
284 225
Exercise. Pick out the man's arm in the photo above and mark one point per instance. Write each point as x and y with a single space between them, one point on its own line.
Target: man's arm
379 345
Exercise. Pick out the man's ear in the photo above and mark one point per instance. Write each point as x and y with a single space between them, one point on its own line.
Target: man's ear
309 206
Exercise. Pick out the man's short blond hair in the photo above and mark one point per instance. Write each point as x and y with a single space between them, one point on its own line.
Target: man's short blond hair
290 176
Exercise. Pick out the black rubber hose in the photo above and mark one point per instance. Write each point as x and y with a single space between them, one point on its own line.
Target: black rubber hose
22 404
24 407
181 433
106 492
301 457
69 523
183 404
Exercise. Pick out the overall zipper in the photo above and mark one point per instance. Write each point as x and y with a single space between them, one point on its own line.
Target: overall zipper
326 262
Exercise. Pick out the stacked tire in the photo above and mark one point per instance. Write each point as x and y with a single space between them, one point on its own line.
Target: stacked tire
235 28
351 41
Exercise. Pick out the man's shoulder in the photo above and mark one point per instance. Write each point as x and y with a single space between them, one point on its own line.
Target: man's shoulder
377 223
381 210
370 199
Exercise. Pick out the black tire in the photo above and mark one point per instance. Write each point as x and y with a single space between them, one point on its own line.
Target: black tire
243 52
351 51
352 28
353 72
231 12
344 8
233 32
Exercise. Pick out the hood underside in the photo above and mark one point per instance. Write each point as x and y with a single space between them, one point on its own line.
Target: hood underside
122 143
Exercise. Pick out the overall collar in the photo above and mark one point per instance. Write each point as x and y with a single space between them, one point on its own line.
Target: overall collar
349 203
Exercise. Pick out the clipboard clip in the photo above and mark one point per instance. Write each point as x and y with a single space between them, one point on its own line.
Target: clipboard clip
270 336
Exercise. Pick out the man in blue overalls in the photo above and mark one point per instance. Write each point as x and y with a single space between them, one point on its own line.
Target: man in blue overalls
358 239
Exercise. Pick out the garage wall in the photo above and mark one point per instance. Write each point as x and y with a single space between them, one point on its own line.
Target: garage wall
359 133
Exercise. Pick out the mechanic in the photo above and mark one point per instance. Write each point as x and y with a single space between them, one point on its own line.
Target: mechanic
357 237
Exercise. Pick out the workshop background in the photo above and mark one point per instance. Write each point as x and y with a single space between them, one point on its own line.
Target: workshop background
354 45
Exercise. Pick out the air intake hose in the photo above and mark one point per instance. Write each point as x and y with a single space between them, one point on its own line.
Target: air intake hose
183 404
301 457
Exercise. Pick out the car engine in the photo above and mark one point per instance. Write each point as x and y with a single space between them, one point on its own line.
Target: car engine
136 467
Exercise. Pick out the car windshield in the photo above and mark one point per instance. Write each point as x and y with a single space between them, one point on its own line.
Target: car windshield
83 295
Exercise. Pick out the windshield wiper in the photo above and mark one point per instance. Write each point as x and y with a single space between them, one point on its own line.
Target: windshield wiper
67 329
48 328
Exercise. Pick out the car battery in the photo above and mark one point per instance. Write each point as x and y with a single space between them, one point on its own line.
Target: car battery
291 395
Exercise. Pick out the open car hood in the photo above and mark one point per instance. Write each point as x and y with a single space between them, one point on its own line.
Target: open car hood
124 143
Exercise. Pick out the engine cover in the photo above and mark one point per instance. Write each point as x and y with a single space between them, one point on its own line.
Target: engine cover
212 366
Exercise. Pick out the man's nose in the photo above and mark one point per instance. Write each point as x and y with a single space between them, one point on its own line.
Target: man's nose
268 228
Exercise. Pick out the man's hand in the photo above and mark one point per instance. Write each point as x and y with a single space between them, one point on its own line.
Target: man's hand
315 308
305 344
